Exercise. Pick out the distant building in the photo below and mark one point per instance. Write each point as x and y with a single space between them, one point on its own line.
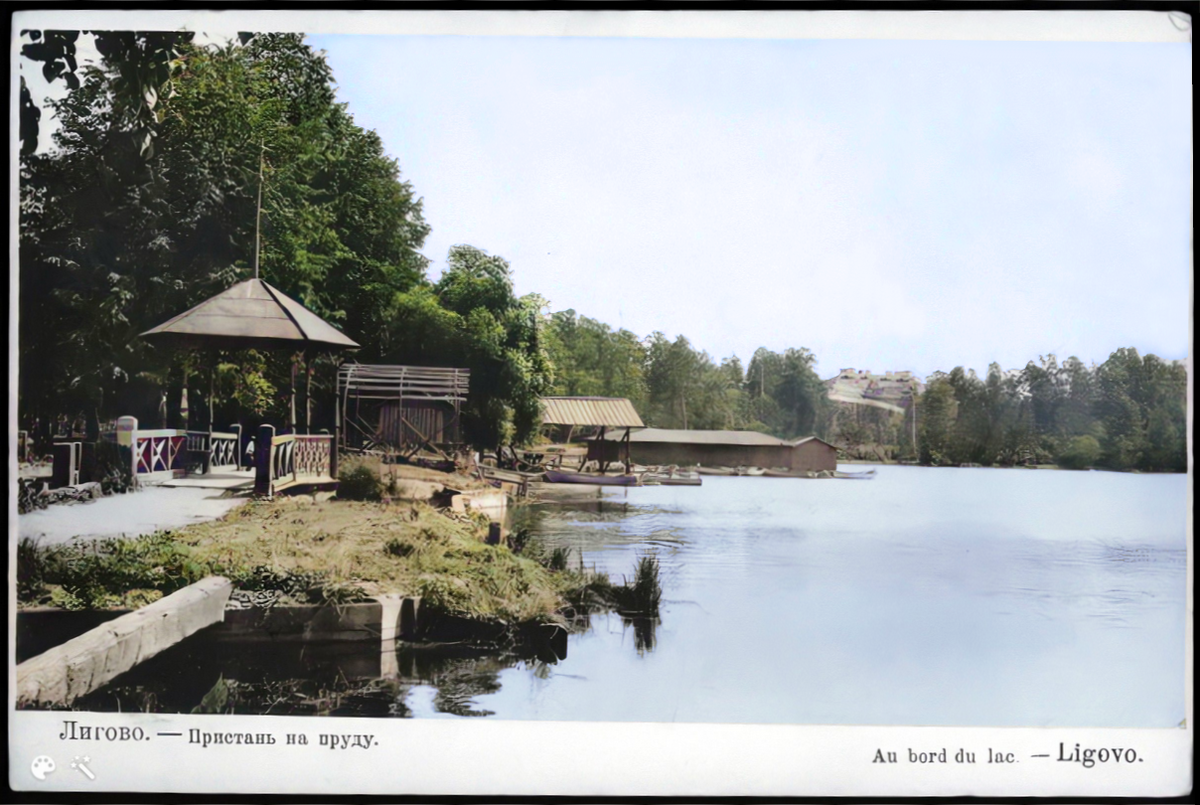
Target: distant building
715 448
891 390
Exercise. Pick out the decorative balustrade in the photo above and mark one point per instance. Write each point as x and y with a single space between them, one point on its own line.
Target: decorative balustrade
223 453
158 454
293 460
165 453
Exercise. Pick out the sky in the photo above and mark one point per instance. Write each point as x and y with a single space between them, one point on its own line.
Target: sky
887 204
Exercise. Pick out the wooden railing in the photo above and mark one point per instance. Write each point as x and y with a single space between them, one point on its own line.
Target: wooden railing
222 455
159 454
166 453
293 460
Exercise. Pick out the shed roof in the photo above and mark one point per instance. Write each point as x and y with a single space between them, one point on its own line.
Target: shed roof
612 412
806 439
734 437
251 314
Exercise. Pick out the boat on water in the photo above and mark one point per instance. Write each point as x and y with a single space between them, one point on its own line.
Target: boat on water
595 479
716 470
672 479
851 476
751 471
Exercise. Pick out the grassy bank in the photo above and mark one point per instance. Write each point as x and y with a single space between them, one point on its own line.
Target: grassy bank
321 552
326 551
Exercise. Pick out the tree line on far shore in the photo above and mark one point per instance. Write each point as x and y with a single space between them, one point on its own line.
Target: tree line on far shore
148 204
1128 413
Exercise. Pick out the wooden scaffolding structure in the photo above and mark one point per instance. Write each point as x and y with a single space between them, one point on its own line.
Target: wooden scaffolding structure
399 410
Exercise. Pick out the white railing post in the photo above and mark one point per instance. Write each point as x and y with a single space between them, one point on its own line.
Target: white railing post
127 437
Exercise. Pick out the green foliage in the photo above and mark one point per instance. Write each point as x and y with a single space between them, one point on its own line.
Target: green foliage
31 570
108 573
471 318
358 481
557 559
397 547
112 468
643 596
1128 414
116 238
215 701
592 359
1081 452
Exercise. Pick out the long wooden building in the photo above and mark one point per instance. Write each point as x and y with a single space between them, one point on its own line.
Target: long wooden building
714 448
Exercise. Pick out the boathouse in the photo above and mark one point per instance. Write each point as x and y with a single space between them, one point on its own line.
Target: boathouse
595 415
715 448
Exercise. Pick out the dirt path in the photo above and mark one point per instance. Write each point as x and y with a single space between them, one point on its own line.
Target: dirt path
130 515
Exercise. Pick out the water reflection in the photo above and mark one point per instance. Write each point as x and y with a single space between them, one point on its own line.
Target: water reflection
643 633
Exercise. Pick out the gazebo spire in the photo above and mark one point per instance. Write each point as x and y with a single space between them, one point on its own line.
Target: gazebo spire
262 154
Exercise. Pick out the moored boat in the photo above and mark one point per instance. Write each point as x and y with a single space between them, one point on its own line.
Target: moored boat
715 470
751 471
560 477
672 478
852 476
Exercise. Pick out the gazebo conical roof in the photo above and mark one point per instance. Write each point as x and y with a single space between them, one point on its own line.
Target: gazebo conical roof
250 315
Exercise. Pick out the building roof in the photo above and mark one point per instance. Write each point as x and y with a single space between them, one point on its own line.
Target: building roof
740 438
806 439
611 412
250 315
735 437
413 383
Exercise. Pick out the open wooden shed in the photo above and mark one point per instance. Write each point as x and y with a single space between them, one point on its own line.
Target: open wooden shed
594 413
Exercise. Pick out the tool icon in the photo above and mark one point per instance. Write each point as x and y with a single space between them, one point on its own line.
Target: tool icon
81 764
41 766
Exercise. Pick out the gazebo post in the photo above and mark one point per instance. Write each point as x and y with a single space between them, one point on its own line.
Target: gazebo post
292 420
208 451
307 392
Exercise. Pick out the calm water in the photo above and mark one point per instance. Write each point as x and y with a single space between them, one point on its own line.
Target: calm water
924 596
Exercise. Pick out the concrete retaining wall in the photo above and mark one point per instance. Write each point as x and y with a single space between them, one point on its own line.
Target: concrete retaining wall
91 660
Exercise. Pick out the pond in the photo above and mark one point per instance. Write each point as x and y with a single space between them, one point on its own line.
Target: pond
925 596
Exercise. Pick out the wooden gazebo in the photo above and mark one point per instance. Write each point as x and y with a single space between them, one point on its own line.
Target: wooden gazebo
255 315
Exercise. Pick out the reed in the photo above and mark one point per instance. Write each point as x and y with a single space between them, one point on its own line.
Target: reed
643 595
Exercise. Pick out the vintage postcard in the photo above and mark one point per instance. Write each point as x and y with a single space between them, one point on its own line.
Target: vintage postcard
763 403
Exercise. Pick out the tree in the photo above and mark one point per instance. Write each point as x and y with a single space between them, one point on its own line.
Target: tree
1080 453
115 239
938 414
592 359
472 318
142 63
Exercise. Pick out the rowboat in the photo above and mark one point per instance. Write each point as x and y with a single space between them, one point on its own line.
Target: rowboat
753 471
672 479
560 477
772 473
715 470
851 476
